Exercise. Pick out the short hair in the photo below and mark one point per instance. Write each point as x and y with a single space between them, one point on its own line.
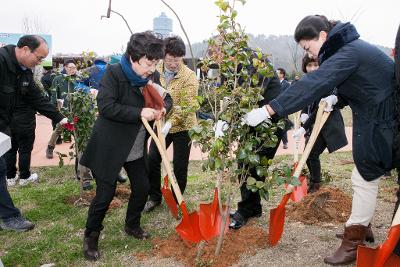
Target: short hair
31 41
283 71
307 59
66 62
145 44
310 27
174 46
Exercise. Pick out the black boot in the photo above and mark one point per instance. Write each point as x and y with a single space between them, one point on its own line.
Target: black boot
313 187
354 236
90 246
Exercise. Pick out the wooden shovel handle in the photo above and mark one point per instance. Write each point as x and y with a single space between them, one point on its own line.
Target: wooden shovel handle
320 120
296 127
165 161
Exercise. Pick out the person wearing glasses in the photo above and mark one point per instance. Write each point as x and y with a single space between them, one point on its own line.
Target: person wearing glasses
119 138
18 92
182 84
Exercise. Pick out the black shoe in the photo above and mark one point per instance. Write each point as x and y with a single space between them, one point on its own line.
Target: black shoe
137 233
59 141
91 246
237 221
86 186
150 205
121 179
19 224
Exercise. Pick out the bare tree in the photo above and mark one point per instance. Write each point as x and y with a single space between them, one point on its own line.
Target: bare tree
294 53
33 26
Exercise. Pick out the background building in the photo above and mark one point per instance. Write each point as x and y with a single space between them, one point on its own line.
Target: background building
162 25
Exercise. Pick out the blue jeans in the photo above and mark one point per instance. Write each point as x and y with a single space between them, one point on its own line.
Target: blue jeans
7 208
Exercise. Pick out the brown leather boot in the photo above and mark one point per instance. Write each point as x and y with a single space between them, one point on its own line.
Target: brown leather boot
90 246
369 235
354 236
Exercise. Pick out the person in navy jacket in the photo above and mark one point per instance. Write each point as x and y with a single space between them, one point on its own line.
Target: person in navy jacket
365 80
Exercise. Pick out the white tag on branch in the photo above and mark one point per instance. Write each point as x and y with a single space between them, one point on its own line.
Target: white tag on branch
5 143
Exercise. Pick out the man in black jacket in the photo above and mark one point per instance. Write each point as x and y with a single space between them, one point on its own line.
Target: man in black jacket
16 85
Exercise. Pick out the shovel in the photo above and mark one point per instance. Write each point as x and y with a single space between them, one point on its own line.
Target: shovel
382 256
210 216
165 189
299 192
188 228
277 215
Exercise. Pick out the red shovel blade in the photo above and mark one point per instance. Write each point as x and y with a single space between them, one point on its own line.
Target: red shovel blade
277 221
299 192
169 198
210 218
382 255
188 229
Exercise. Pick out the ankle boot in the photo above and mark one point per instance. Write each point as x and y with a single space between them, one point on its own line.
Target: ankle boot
354 236
90 246
369 235
313 187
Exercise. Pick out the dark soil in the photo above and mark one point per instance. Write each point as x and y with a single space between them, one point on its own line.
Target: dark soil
327 205
122 194
246 240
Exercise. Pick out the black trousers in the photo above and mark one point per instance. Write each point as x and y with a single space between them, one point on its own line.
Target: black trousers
22 142
181 144
250 205
7 208
139 182
313 162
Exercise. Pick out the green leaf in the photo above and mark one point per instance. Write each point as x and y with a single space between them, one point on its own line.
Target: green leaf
251 181
254 159
259 184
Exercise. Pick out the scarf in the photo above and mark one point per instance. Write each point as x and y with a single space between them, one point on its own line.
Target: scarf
340 35
134 79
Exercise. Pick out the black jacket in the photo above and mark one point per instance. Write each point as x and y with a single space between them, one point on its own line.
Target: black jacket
19 95
333 130
117 125
364 78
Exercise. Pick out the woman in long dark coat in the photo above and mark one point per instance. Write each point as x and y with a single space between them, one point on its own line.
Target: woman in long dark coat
119 137
364 78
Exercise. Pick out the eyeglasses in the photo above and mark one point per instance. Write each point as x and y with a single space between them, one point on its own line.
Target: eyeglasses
144 62
38 58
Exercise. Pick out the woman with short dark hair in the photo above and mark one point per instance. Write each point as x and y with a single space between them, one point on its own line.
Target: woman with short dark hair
119 137
364 78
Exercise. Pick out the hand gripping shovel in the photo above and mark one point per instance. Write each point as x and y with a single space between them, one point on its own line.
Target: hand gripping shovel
299 192
188 228
210 216
165 189
382 256
277 215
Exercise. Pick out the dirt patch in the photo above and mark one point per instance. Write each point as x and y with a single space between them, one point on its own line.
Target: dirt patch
122 194
327 205
247 240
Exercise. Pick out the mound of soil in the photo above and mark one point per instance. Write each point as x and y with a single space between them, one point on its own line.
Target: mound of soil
246 240
122 194
327 205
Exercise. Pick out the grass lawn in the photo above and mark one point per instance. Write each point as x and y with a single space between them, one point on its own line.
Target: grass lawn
57 237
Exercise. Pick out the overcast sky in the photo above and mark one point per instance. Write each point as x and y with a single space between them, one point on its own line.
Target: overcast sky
75 25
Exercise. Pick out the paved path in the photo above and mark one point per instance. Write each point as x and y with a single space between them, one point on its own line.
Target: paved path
44 129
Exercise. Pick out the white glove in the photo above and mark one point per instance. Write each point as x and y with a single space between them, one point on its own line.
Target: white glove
298 134
303 117
220 127
330 101
60 102
63 121
256 116
165 129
